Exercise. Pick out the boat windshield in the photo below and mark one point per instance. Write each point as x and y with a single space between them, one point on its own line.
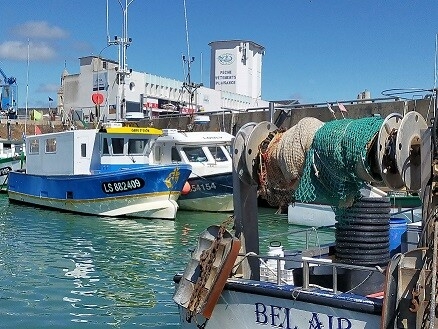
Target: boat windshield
218 153
117 144
195 154
136 146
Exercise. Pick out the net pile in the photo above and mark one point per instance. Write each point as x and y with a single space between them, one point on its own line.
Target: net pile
291 151
329 171
284 159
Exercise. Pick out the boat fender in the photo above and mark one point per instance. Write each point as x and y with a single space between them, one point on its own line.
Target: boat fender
186 188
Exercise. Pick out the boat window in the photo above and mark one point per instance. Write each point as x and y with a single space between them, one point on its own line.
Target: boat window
136 146
157 154
195 154
51 145
117 145
34 146
217 153
83 150
175 155
105 149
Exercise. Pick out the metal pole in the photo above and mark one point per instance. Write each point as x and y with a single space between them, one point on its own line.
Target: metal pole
271 112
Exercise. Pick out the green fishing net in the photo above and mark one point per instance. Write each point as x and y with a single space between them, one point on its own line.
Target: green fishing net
329 171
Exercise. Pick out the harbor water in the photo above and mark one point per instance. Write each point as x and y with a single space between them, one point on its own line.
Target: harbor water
59 270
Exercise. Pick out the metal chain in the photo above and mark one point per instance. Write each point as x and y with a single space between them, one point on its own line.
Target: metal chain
207 258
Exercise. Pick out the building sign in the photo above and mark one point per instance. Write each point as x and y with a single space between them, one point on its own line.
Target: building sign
151 103
225 73
100 79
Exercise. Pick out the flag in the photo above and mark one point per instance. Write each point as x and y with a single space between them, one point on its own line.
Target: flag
50 99
36 115
342 108
330 108
37 130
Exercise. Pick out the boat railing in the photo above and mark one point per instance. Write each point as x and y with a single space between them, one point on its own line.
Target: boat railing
307 262
408 213
308 233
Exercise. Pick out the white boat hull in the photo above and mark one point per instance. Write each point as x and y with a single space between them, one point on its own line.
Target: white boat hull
160 206
307 214
248 309
318 215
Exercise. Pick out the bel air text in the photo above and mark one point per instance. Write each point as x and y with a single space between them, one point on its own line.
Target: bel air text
281 317
122 185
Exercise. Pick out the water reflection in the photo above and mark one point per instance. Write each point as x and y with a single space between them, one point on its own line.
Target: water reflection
59 269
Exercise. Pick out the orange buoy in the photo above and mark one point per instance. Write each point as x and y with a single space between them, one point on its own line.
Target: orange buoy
186 188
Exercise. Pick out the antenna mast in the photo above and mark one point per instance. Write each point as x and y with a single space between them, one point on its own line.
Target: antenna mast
122 71
188 84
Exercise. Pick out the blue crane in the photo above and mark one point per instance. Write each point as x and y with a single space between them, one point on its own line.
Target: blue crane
8 93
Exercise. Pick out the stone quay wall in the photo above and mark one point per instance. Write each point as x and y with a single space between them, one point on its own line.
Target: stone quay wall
232 122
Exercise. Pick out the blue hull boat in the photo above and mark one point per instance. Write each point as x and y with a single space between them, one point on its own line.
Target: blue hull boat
104 173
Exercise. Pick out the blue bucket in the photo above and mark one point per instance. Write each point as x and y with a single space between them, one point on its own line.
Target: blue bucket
397 227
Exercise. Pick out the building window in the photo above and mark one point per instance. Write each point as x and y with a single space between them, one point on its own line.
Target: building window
34 146
51 145
83 150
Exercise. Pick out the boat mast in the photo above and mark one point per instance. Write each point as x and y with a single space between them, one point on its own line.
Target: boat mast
122 71
188 84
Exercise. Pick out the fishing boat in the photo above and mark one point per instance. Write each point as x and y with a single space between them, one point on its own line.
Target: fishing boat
12 158
103 172
353 282
210 185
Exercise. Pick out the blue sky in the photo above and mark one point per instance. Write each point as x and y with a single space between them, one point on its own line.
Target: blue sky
316 51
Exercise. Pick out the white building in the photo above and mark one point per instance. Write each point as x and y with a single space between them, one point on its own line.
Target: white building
236 66
95 91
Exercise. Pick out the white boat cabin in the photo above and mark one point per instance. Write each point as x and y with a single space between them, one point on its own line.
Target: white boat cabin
207 148
82 152
11 148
